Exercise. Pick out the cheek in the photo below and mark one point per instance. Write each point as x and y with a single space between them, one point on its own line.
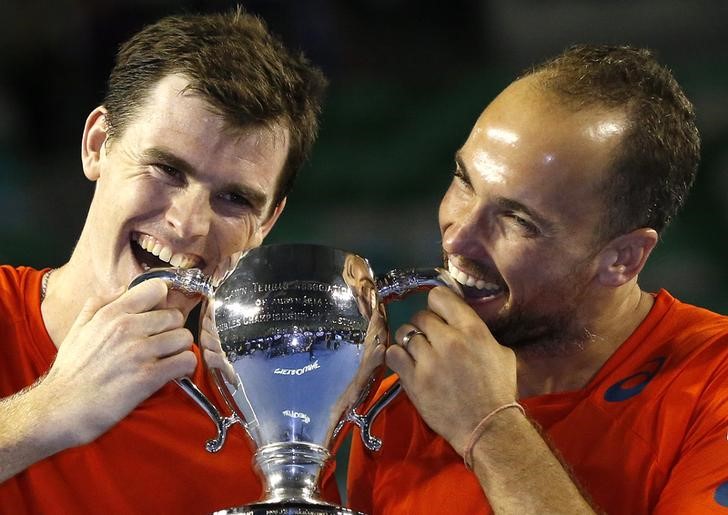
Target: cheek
553 283
138 194
528 271
234 236
116 205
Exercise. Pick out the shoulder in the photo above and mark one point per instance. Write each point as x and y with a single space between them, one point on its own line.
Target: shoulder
15 276
683 353
12 280
8 276
687 331
687 318
19 293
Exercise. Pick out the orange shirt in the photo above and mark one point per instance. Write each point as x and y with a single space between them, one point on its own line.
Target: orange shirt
648 434
153 461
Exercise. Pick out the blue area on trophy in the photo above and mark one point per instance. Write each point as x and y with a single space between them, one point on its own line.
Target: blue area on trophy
296 396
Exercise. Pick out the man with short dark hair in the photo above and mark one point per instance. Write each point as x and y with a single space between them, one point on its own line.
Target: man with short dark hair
204 125
556 385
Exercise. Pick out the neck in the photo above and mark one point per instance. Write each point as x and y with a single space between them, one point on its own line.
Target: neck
68 289
61 305
73 284
613 321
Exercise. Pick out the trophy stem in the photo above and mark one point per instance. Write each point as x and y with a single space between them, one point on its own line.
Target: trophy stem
291 471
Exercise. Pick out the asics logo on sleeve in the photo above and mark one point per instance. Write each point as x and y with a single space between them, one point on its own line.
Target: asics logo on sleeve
634 384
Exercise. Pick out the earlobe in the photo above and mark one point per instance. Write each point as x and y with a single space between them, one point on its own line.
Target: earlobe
92 143
625 256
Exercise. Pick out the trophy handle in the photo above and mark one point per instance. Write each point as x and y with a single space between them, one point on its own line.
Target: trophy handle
396 285
193 282
190 281
400 283
221 423
364 422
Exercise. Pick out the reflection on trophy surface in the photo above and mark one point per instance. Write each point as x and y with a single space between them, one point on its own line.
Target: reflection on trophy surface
303 328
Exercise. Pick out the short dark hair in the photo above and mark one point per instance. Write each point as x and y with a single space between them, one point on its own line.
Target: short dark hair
658 158
242 70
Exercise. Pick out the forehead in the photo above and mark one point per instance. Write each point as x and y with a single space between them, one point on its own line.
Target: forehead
180 121
529 146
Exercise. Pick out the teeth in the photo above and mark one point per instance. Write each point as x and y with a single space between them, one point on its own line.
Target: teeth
469 280
164 253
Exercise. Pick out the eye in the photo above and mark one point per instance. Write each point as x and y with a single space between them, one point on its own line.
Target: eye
169 171
524 225
235 199
461 178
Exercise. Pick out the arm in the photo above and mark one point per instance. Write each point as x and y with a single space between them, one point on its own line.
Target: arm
455 375
518 471
118 352
25 437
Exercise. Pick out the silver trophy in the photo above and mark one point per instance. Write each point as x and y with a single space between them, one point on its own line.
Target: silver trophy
304 329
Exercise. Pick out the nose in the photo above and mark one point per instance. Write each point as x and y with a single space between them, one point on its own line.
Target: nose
190 213
466 231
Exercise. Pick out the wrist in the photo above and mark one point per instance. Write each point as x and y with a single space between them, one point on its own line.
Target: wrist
514 408
48 422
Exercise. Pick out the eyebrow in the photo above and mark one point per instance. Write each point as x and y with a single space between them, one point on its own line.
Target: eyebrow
256 197
509 203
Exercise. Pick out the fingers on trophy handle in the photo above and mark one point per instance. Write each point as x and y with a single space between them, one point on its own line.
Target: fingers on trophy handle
364 422
193 282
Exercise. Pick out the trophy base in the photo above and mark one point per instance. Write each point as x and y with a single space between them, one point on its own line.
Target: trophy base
288 508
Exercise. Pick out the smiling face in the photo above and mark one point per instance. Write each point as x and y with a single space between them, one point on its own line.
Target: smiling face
178 187
520 219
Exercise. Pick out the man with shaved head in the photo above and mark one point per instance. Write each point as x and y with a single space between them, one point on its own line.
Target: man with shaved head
556 384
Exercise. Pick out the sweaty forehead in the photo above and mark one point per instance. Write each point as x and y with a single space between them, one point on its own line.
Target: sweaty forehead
538 112
529 147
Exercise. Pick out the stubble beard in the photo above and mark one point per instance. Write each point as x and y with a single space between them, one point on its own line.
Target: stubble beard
559 332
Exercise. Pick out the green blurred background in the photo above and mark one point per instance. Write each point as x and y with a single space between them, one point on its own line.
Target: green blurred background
408 79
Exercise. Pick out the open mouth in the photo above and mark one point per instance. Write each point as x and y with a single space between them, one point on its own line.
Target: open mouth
151 253
474 287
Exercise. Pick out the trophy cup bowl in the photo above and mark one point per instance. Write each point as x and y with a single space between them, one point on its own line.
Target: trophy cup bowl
304 329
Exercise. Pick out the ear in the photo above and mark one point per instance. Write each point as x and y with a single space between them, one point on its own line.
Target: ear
625 256
269 223
93 148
